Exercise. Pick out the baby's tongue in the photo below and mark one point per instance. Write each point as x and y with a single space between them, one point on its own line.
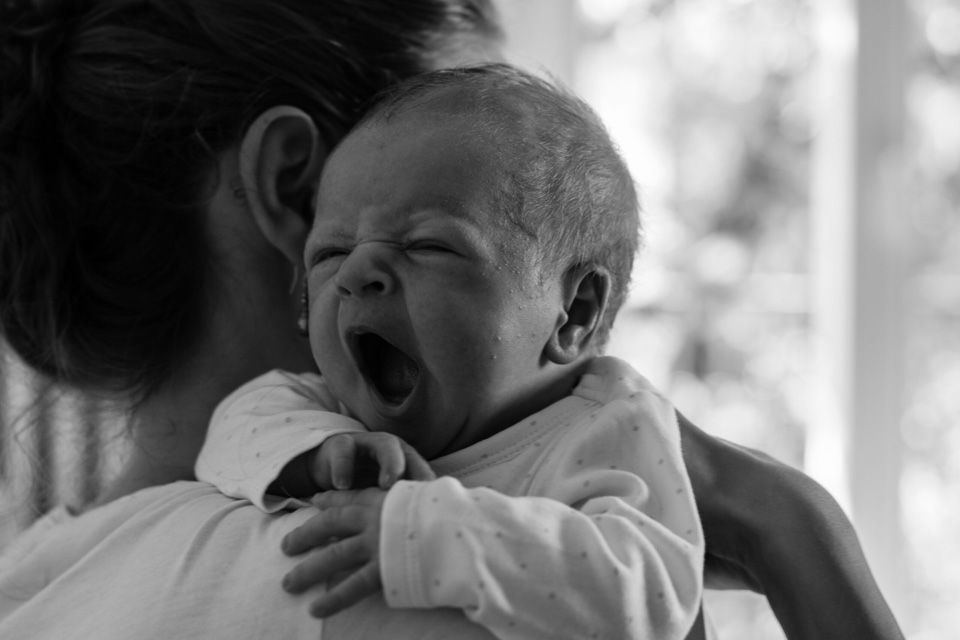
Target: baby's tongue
395 374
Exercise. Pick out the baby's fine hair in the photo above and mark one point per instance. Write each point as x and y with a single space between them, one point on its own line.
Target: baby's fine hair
564 184
113 114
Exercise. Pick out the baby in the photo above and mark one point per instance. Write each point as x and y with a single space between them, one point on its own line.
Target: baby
472 242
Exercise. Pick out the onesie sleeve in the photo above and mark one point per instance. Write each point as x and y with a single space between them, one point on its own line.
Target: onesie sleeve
261 427
609 544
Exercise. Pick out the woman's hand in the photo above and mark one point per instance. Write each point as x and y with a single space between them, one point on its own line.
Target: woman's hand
771 529
348 524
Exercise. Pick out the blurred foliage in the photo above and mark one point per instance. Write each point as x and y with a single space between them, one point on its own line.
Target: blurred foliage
711 102
931 425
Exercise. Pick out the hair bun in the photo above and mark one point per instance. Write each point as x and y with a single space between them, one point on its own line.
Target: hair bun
32 34
12 11
32 38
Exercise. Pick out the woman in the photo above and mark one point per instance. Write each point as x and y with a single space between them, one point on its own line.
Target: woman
157 166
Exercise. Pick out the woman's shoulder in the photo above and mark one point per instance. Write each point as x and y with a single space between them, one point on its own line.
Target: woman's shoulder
23 545
64 531
147 558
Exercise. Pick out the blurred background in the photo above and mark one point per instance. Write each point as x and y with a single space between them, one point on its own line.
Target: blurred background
799 291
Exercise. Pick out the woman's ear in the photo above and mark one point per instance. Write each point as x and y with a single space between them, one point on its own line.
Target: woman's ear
281 155
586 292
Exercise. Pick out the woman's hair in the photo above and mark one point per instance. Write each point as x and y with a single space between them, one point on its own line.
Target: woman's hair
112 116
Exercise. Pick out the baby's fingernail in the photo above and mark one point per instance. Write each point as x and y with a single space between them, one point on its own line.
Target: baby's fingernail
286 583
341 483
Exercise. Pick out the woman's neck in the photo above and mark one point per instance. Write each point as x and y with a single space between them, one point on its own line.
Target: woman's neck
166 431
164 435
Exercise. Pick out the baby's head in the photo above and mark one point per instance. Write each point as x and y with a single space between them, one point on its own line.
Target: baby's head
473 239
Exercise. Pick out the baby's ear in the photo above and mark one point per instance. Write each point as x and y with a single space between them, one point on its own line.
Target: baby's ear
586 292
281 155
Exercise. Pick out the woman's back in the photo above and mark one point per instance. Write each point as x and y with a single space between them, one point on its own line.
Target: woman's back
179 561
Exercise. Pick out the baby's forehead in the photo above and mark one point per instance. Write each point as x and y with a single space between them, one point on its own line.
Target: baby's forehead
463 134
466 159
419 164
470 129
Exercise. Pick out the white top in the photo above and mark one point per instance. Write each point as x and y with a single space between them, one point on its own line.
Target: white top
577 522
181 562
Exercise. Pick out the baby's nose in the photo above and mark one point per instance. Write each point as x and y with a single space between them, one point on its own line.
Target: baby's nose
365 273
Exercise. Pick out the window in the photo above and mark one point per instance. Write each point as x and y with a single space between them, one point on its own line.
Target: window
800 167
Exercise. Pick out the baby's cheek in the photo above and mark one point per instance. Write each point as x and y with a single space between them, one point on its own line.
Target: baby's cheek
322 331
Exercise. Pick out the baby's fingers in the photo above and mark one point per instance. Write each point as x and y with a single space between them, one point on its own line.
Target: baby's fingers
417 467
329 524
343 456
387 451
351 590
396 459
323 564
334 463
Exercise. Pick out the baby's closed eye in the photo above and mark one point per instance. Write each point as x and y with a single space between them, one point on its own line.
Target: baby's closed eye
327 254
430 246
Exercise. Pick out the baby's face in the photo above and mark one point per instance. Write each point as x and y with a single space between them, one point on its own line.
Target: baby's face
426 318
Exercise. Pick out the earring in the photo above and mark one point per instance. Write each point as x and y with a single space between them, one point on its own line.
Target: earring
303 324
295 280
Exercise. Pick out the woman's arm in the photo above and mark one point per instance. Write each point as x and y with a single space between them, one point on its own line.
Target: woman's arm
774 530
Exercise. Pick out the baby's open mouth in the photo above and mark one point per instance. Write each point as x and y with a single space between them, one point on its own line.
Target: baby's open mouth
393 373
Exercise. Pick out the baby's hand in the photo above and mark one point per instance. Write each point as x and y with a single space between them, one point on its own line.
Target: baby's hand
343 461
349 525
